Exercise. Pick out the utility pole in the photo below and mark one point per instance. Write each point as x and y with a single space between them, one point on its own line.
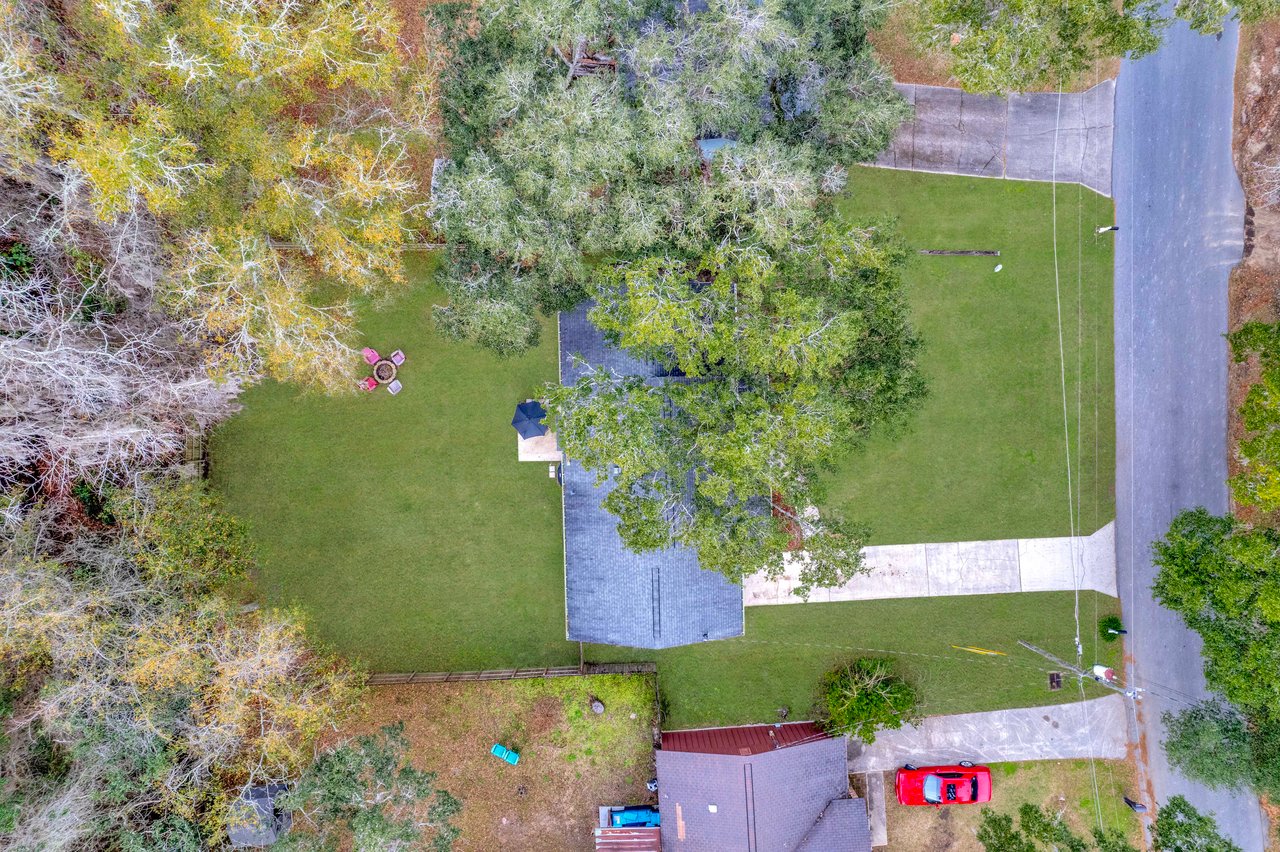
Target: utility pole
1079 672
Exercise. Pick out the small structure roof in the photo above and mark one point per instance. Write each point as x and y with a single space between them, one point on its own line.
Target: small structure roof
253 821
708 148
631 839
743 740
613 596
787 799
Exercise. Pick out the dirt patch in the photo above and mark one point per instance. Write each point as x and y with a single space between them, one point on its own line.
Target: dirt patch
896 47
1272 810
571 760
908 64
1254 285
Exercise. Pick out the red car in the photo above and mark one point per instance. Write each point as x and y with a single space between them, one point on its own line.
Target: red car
961 784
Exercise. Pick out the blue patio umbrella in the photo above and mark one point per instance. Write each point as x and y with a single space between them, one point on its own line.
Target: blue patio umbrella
528 419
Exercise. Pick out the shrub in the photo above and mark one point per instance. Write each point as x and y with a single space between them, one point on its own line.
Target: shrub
1107 624
864 696
94 502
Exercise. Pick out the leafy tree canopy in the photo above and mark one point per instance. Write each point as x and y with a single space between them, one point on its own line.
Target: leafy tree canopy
775 366
574 125
246 128
1019 45
1038 829
1209 742
1224 580
866 696
367 793
1258 483
1179 827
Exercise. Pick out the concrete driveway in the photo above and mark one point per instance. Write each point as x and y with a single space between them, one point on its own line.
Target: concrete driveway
1095 728
959 568
1180 212
956 132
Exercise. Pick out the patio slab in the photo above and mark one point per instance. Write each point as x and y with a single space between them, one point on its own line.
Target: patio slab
543 448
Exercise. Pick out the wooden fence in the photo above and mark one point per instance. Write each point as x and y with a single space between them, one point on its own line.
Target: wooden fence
511 674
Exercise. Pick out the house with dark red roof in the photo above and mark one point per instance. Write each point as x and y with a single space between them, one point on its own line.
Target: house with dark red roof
758 788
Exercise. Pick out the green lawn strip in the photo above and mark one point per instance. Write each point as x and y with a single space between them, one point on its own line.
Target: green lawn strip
403 526
985 458
787 648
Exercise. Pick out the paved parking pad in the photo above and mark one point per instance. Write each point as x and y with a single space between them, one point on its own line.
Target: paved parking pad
1065 137
1095 728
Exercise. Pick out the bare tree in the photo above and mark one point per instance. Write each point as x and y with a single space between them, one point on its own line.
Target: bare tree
95 385
1266 181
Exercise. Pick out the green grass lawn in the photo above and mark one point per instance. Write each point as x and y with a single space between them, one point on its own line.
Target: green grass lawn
787 648
403 526
407 531
986 456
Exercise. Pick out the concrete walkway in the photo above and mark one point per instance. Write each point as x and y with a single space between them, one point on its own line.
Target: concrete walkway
989 136
962 568
1095 728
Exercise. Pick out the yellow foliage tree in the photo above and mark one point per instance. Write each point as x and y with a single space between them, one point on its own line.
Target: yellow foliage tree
272 129
167 697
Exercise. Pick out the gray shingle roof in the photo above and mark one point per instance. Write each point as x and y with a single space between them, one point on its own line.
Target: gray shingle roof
787 800
844 825
657 599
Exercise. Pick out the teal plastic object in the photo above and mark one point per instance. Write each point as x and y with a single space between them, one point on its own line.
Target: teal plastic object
504 753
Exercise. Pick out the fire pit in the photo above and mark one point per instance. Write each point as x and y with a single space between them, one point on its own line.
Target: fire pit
384 371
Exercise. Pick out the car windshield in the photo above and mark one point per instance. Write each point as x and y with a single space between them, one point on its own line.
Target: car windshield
933 789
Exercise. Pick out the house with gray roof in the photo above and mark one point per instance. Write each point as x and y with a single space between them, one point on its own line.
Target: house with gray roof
613 596
758 788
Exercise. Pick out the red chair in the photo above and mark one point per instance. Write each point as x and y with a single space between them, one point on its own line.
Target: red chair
397 357
371 356
368 383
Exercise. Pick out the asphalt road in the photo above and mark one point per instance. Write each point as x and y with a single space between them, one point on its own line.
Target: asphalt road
1180 211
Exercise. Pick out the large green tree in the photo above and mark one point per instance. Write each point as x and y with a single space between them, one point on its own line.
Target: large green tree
776 365
573 130
1224 580
865 696
1179 827
366 793
1019 45
1209 742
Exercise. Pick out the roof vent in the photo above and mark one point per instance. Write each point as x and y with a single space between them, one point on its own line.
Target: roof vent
712 808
